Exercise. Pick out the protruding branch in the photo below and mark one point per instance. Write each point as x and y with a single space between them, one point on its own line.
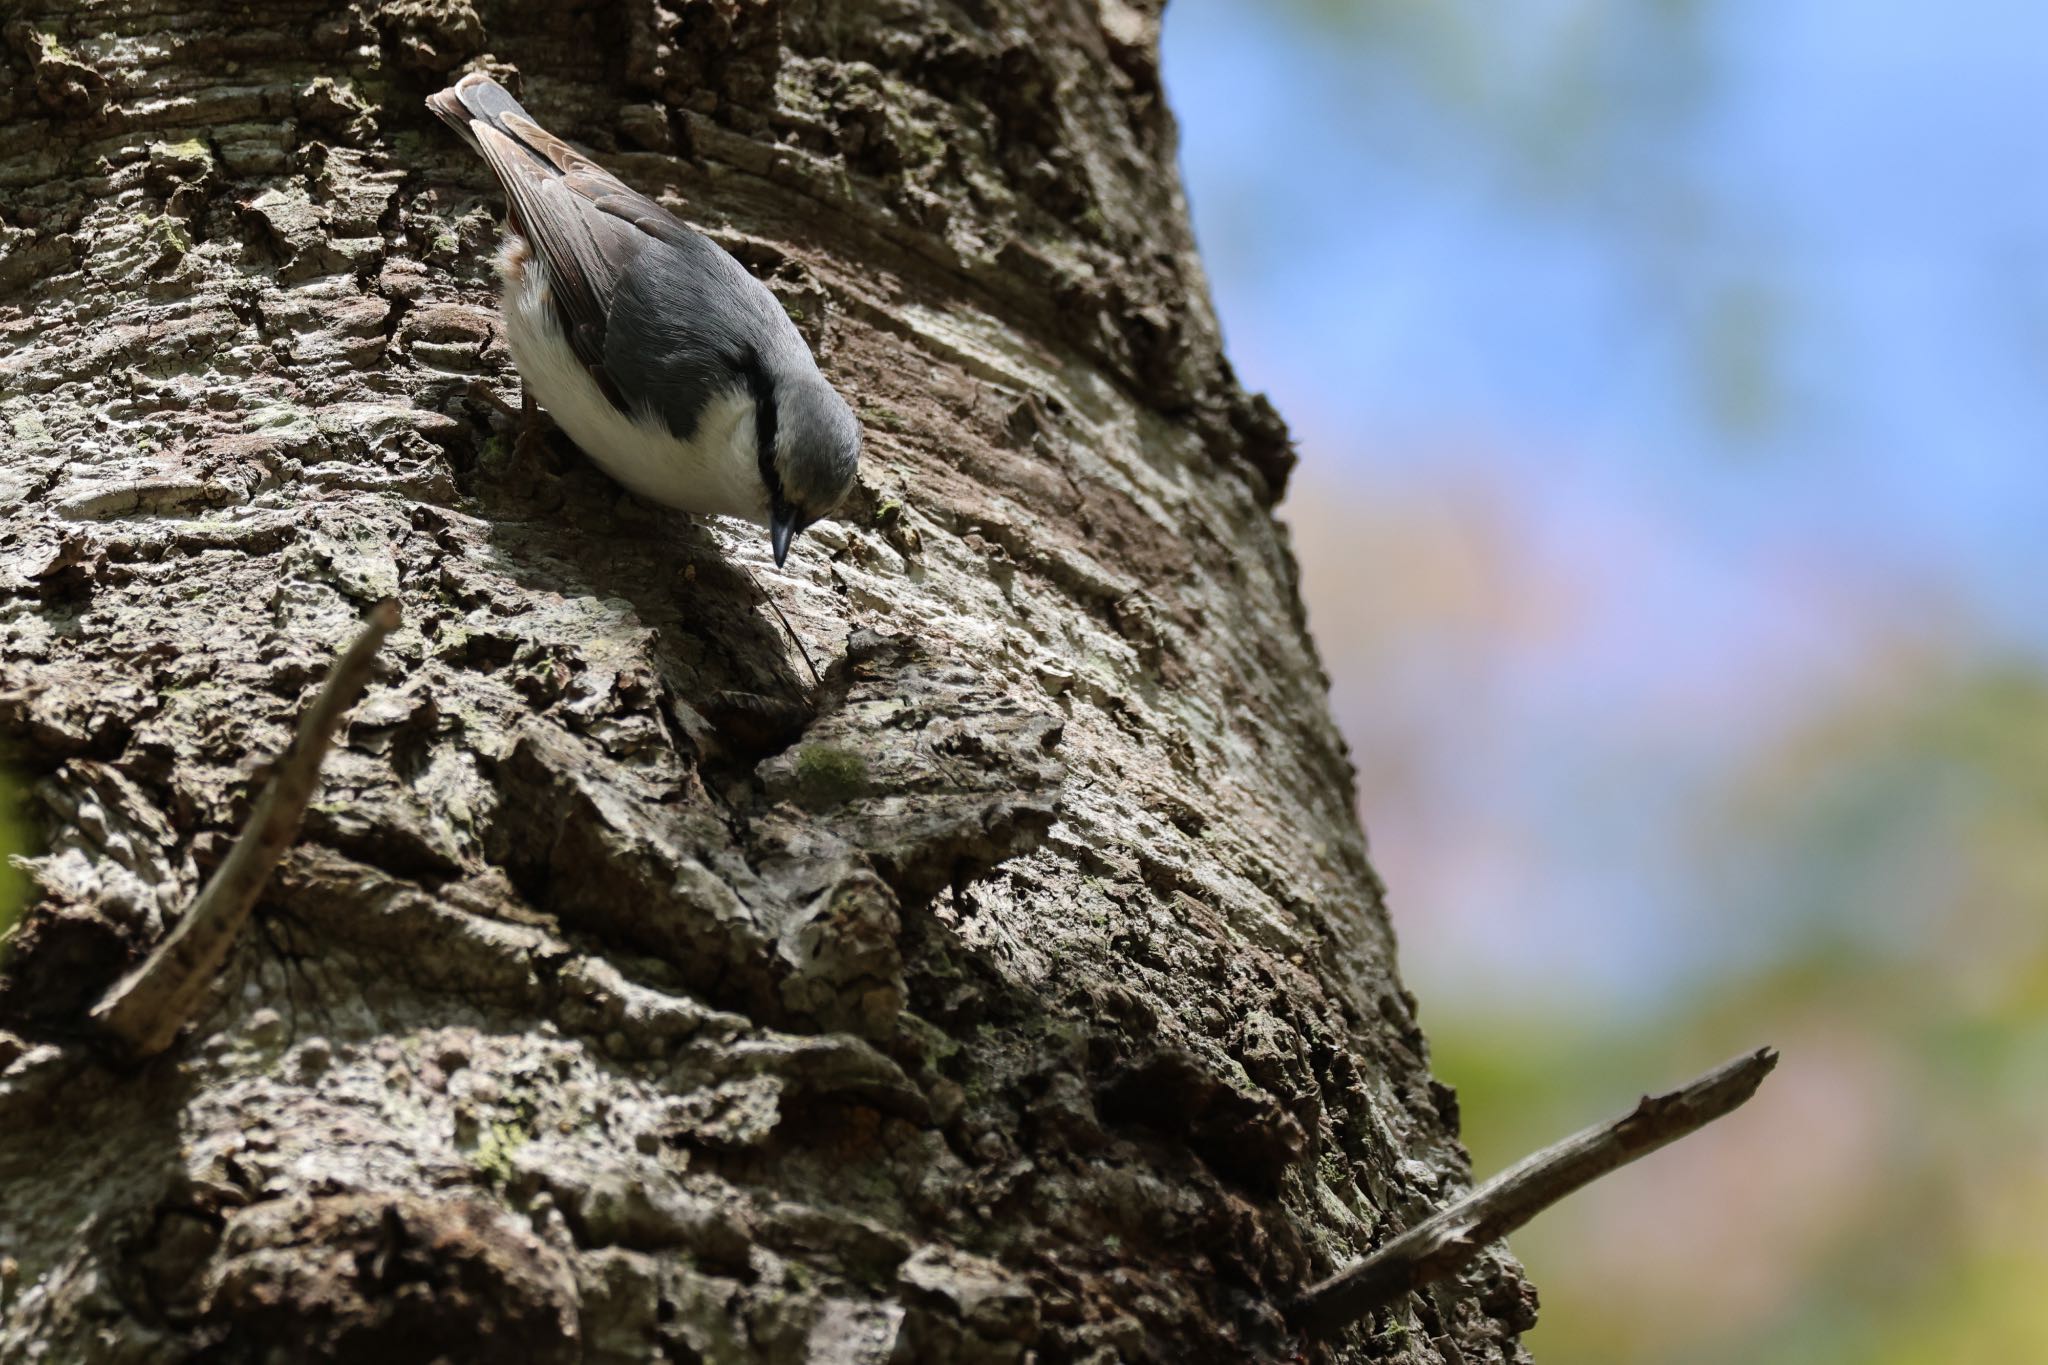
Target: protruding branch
1443 1243
145 1010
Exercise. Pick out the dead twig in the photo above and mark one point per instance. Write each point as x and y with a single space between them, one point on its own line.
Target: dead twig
788 629
1443 1243
798 641
146 1008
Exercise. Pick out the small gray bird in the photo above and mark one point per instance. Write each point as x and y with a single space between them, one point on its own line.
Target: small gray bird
675 369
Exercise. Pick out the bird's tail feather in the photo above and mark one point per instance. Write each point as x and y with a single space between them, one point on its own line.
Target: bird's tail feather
476 98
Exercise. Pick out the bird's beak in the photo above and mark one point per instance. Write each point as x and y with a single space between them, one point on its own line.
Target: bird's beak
781 531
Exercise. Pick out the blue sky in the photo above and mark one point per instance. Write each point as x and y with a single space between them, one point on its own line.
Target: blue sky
1735 317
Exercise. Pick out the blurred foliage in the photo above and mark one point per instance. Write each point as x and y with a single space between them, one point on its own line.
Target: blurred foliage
1585 108
1869 870
1736 352
1573 96
13 842
1914 817
1886 1198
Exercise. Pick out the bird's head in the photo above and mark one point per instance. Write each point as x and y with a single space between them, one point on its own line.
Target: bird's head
810 459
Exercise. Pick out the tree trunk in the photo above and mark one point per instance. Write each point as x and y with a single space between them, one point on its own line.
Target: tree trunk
1018 991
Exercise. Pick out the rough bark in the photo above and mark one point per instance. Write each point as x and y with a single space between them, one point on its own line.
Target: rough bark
1020 991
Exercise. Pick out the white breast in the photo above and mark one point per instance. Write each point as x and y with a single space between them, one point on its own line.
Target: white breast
715 471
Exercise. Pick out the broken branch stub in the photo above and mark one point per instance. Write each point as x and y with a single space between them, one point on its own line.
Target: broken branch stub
145 1009
1446 1241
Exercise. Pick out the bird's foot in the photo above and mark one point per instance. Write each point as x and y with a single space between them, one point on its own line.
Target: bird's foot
533 430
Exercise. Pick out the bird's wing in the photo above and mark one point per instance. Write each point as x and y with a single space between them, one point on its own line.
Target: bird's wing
584 224
669 338
556 223
592 182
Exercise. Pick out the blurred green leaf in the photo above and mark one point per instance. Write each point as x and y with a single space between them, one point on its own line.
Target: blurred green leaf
13 844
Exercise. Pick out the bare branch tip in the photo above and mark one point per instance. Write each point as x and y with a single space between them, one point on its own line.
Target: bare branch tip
1449 1239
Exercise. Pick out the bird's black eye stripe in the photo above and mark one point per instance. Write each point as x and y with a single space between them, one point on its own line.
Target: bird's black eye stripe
763 390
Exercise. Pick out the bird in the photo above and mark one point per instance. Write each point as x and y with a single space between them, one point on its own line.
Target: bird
650 345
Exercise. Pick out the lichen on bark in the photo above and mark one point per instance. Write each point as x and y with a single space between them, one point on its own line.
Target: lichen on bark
1020 990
